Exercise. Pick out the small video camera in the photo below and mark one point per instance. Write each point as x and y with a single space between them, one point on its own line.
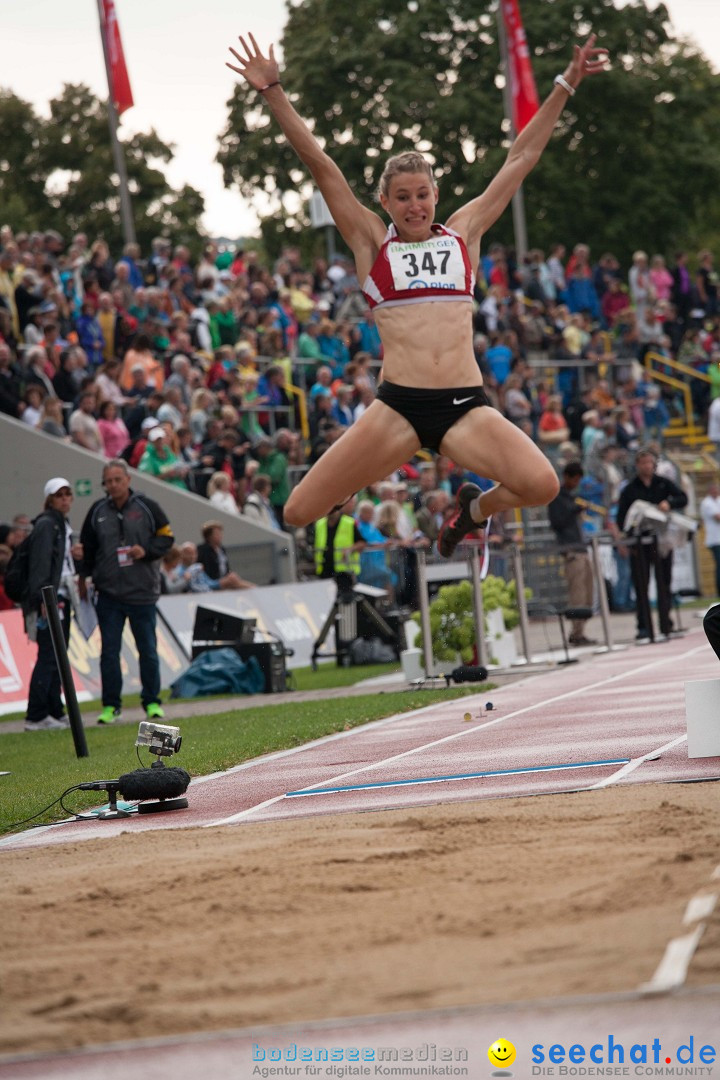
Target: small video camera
159 738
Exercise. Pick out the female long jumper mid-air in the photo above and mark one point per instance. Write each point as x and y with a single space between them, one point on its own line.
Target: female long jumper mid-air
419 278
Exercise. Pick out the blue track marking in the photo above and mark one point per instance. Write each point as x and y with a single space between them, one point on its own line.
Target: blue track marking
458 776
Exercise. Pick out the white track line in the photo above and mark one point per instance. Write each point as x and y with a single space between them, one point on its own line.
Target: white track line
672 969
251 763
459 734
491 723
632 765
700 907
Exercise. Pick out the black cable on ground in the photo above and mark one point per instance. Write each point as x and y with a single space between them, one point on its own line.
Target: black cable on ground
25 821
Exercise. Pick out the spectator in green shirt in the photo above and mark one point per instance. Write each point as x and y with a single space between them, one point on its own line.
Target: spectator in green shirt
308 349
159 460
223 324
250 397
274 463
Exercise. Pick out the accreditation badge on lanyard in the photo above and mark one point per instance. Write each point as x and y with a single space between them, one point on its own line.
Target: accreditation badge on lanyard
436 263
123 549
123 555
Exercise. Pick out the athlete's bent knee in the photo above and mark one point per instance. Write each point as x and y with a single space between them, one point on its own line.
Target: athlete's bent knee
294 513
546 486
540 485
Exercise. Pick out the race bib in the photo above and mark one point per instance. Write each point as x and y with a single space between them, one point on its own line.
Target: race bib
436 263
124 557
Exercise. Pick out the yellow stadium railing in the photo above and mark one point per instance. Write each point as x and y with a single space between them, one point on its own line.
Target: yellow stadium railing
302 407
691 432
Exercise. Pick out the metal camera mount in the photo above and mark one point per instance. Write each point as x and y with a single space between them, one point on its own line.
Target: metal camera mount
160 782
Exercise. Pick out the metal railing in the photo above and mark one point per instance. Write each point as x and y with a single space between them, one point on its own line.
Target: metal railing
538 563
272 412
692 432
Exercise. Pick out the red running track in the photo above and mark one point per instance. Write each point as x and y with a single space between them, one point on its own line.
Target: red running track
620 706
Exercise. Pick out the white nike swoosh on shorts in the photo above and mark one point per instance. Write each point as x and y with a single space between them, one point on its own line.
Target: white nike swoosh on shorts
462 400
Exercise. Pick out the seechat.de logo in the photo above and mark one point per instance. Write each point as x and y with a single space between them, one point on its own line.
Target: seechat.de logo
611 1052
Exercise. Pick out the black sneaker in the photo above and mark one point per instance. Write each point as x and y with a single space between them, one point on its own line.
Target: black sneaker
461 522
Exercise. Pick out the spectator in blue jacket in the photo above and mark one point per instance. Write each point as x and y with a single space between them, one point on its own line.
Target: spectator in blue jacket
655 413
130 256
373 564
90 335
369 335
341 410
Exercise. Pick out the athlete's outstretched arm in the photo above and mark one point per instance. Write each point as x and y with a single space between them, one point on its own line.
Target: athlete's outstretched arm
357 224
476 217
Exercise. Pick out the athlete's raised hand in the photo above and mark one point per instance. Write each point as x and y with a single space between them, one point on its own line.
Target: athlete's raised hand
587 60
260 71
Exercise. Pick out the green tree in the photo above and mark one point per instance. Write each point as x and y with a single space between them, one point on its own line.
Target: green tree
635 160
58 173
22 166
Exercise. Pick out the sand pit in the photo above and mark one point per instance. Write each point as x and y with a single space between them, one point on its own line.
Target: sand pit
496 901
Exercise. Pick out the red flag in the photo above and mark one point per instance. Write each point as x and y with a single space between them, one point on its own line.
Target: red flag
119 80
522 84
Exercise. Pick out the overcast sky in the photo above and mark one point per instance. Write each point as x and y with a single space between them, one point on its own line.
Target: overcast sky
176 52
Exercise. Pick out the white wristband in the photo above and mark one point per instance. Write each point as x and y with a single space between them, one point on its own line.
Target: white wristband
560 80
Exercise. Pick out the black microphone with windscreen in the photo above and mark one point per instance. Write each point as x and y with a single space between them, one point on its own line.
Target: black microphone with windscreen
160 783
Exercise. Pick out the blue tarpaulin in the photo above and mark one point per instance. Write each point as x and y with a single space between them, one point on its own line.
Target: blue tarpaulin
219 671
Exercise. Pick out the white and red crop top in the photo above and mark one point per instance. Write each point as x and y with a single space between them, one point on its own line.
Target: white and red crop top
413 272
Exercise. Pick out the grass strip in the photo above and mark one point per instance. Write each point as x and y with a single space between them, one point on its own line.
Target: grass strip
43 764
327 677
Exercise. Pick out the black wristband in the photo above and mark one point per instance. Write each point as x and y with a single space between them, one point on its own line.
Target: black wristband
270 85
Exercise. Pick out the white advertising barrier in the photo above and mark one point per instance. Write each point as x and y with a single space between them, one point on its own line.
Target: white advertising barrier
17 660
702 708
293 613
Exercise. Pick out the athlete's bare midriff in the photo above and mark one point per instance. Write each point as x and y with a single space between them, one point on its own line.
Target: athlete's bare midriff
428 345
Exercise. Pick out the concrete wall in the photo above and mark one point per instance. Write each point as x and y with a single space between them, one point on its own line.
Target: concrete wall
29 458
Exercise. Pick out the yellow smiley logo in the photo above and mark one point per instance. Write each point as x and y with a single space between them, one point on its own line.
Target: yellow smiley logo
501 1053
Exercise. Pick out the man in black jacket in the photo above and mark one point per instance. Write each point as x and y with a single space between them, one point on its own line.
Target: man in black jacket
644 552
50 562
124 537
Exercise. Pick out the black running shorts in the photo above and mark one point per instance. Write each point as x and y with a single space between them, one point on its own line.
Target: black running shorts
431 412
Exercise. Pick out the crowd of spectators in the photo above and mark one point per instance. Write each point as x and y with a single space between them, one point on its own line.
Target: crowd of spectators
229 378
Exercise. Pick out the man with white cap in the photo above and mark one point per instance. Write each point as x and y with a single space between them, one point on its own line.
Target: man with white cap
51 558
